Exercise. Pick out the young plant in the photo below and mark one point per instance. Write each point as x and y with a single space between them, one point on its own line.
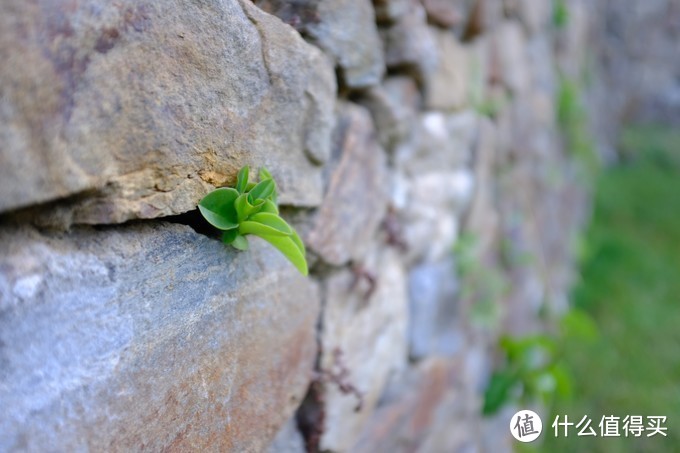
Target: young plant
251 208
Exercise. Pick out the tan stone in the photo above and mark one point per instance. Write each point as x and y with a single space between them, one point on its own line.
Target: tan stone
446 88
140 110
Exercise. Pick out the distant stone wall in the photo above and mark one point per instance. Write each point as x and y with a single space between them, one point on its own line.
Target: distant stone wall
638 57
396 130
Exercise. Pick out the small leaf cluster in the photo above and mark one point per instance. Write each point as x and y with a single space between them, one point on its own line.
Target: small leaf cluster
252 208
535 368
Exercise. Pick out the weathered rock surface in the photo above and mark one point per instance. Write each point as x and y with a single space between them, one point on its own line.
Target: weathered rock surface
448 13
482 218
509 51
144 108
425 409
394 106
433 312
387 11
344 29
364 332
410 43
446 88
356 198
438 142
288 440
149 337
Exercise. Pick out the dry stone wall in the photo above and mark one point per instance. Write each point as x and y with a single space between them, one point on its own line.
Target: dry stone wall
406 137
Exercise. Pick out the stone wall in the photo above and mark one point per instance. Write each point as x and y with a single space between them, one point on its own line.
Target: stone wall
417 152
638 78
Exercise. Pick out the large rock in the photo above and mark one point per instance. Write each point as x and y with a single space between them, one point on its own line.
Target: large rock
356 198
142 109
149 337
344 29
363 342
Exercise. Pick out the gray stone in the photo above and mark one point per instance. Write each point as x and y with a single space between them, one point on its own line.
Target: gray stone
356 198
510 54
410 43
414 402
368 328
288 440
446 88
535 14
389 11
434 319
345 30
482 218
393 106
439 142
431 218
149 337
448 13
479 74
142 109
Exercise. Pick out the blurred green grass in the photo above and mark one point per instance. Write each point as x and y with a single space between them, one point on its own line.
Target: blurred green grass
630 285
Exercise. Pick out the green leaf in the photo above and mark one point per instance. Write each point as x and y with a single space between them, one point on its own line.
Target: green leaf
244 208
287 246
298 242
499 391
264 174
240 243
258 229
250 186
242 179
229 236
273 221
270 206
218 208
262 190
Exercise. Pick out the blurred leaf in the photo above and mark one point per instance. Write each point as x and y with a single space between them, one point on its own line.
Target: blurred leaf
264 174
291 250
498 392
241 243
270 206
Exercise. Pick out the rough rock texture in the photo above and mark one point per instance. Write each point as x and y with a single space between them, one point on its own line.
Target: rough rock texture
410 43
151 105
364 332
126 340
345 29
433 310
354 204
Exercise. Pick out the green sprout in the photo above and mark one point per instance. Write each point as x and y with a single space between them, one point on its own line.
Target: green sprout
252 208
